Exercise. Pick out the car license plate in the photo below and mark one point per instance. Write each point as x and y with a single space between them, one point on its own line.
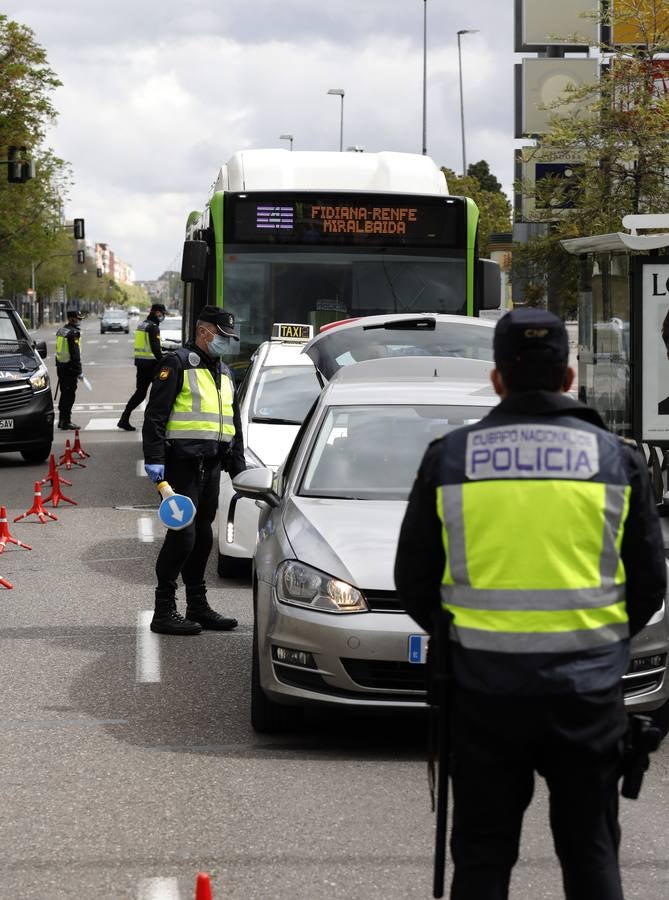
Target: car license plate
6 423
418 648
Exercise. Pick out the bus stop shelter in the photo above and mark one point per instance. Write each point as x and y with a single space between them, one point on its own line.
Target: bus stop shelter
623 333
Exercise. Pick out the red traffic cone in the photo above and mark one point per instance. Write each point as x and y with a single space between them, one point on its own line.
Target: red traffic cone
77 448
67 459
5 536
53 471
37 508
203 887
56 494
6 584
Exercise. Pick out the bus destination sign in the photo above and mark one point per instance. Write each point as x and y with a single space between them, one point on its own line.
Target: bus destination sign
358 220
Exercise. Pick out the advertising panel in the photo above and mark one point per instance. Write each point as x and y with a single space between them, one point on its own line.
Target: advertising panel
654 355
545 81
538 165
542 23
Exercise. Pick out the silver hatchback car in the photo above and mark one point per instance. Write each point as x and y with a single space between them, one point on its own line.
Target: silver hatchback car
329 629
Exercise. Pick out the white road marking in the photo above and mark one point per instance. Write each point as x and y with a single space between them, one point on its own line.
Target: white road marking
158 889
112 341
141 472
145 529
88 343
148 651
101 425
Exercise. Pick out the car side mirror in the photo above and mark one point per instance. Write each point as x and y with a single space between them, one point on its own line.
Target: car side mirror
490 284
194 261
257 484
40 347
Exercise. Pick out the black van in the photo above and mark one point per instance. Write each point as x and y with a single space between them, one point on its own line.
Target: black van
26 404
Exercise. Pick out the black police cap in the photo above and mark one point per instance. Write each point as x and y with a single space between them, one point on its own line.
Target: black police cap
530 333
73 314
159 307
221 318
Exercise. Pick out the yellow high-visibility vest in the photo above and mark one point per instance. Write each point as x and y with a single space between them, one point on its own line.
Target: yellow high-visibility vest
200 410
143 342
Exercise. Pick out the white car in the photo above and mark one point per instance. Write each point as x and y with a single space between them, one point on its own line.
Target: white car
170 333
279 388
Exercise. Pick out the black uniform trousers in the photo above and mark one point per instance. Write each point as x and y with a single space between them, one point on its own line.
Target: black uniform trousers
146 369
68 390
186 552
573 741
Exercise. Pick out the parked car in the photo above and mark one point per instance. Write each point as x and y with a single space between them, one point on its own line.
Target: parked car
171 332
278 389
329 627
114 320
26 404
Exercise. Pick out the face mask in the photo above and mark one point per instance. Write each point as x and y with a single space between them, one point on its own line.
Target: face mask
217 345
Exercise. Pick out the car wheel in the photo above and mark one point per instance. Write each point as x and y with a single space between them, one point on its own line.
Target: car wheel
127 331
37 454
102 331
268 717
232 566
660 718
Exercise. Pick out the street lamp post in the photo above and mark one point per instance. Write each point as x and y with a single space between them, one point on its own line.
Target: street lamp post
424 77
287 137
339 92
462 102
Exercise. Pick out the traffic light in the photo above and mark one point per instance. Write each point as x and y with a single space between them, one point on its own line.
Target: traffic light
19 169
79 232
81 256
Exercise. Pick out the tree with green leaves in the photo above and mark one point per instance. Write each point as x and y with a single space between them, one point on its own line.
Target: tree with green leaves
30 213
616 134
481 172
494 207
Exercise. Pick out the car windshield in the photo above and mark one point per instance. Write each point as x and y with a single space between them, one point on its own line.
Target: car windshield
170 324
346 346
373 452
8 331
284 394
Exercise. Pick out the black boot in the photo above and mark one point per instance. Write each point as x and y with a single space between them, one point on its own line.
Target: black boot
68 426
124 423
166 620
198 610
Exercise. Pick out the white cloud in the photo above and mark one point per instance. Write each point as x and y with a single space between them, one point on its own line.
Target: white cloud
156 96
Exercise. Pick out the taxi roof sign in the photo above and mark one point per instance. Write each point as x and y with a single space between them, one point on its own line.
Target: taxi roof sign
288 331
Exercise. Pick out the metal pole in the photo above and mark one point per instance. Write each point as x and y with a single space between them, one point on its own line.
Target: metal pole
424 77
341 125
462 109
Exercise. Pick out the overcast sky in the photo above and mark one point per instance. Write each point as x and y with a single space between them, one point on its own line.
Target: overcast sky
157 94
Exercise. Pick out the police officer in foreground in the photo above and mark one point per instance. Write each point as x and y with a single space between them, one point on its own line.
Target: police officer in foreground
148 353
534 533
68 367
192 428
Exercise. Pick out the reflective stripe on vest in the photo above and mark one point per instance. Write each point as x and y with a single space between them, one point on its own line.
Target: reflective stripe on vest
62 345
200 412
556 587
143 342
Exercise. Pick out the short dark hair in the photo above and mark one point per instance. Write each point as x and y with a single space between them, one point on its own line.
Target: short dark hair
533 374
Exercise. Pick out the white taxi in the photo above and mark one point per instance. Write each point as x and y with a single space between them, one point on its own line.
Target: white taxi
278 390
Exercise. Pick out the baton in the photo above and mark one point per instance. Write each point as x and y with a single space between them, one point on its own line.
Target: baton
55 396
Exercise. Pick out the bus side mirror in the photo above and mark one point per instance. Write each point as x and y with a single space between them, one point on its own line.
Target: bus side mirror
194 261
490 284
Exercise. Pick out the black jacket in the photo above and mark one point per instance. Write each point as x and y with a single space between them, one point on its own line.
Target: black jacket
165 387
420 561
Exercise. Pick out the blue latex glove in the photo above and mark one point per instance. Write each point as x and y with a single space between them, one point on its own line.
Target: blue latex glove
155 471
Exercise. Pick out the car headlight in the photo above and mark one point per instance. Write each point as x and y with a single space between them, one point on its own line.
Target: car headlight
39 380
300 585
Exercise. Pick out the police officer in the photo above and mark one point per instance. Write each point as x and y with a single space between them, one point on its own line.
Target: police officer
192 428
535 529
148 354
68 367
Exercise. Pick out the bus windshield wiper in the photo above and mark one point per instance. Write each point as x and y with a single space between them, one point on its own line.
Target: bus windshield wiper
271 420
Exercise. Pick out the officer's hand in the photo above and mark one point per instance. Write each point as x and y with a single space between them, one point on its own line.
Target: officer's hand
155 471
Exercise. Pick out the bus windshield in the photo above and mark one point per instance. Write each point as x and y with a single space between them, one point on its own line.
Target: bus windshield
316 288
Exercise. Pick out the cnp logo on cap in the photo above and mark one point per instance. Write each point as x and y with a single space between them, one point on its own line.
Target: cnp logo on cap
536 332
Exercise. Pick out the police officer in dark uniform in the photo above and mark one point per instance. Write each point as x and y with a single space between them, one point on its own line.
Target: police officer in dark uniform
148 353
68 367
192 428
534 532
